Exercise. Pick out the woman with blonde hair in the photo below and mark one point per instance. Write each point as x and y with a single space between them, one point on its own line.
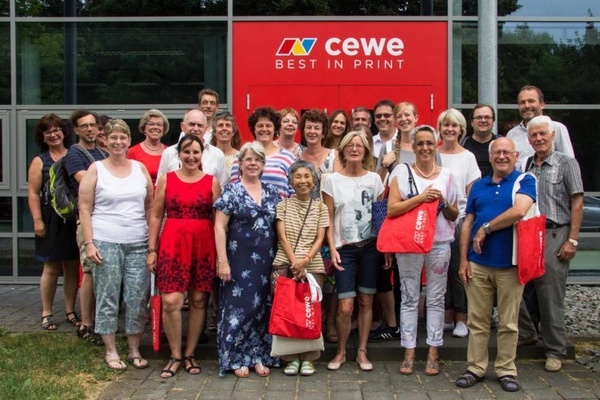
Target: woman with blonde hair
153 125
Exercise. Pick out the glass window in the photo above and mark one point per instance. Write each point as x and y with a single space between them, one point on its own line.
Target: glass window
6 257
28 265
4 8
549 8
120 63
4 160
464 62
118 8
4 63
5 214
25 222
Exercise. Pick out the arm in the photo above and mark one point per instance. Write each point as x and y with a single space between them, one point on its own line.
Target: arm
223 268
34 177
156 218
397 206
149 192
567 250
464 268
87 189
335 257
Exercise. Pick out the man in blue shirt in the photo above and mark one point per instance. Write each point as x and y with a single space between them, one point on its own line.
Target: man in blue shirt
486 266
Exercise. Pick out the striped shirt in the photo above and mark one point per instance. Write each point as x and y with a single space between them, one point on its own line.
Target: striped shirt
559 178
275 172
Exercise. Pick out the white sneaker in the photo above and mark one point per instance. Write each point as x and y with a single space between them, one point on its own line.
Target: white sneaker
460 330
448 326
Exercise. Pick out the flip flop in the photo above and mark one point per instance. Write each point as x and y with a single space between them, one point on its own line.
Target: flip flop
242 372
138 362
120 365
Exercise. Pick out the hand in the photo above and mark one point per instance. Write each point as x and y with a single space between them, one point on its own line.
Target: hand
224 271
464 272
567 251
40 229
151 262
389 158
336 260
93 254
389 260
431 194
298 266
478 240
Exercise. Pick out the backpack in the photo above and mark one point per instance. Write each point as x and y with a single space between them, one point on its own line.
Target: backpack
63 198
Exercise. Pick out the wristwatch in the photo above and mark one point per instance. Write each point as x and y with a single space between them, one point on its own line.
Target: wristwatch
486 228
573 242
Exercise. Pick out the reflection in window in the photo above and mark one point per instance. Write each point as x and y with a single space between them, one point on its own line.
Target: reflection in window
6 257
549 8
1 148
464 62
28 265
5 214
4 63
117 63
25 221
4 8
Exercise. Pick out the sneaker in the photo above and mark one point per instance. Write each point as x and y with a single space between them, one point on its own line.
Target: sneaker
460 330
448 326
553 365
387 333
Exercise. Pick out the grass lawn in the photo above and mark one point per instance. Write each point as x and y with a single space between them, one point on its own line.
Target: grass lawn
50 365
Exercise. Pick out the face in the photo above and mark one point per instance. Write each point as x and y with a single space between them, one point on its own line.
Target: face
313 132
482 121
264 130
361 118
529 105
503 156
191 156
208 105
87 129
425 146
450 131
384 118
406 119
54 136
251 165
194 123
540 138
289 125
338 125
224 131
117 142
354 150
302 181
154 128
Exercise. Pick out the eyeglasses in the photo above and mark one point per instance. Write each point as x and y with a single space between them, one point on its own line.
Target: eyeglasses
54 131
383 115
483 118
289 121
499 153
154 124
355 146
87 126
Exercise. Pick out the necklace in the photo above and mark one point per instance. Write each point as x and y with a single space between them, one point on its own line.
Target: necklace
150 148
422 173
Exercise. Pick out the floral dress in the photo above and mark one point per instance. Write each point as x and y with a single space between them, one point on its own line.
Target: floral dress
245 301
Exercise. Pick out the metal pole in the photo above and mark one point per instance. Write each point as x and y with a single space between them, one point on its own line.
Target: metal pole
488 54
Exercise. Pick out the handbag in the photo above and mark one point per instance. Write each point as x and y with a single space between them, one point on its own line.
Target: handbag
529 241
411 232
283 346
156 313
380 209
295 314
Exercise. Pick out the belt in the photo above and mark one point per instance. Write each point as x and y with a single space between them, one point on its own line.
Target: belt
362 243
553 225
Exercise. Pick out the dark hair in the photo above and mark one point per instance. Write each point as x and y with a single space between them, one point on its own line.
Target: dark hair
313 115
384 102
329 137
50 121
296 165
264 112
209 92
186 142
483 105
103 119
80 113
236 140
537 89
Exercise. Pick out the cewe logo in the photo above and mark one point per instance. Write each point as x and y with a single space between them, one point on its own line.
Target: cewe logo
296 46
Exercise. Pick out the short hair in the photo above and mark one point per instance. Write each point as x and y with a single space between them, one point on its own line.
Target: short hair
187 141
209 92
426 128
80 113
385 102
512 141
368 157
362 109
328 142
541 120
288 110
153 112
537 89
116 125
483 105
454 116
314 115
50 121
268 113
404 104
255 147
236 140
296 165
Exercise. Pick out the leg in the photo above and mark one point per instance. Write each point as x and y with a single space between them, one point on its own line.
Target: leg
436 266
196 319
106 278
136 287
365 316
70 281
87 299
48 283
409 270
171 315
112 359
134 357
343 316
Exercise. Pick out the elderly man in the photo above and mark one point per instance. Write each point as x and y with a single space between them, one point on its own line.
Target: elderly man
561 199
213 160
486 264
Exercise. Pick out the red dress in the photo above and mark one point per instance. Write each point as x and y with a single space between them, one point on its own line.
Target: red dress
186 250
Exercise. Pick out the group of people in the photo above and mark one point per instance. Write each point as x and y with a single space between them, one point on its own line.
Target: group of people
212 218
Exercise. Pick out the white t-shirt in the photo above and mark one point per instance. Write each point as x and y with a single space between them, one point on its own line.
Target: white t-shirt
465 170
444 229
353 199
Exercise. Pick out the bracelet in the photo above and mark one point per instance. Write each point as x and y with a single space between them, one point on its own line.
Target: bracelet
88 242
152 250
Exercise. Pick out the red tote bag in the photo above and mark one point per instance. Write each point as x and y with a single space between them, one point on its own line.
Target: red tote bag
531 247
293 314
156 314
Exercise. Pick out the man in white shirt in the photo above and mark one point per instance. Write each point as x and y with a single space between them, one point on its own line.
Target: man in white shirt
208 103
384 120
213 160
531 104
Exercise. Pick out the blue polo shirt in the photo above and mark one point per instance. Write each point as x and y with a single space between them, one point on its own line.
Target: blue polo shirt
486 201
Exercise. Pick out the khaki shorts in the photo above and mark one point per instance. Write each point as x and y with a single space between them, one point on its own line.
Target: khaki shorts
86 265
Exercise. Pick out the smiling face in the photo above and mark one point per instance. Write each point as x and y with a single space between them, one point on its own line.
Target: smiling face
406 119
482 121
450 131
503 156
338 125
251 165
384 118
117 142
208 105
529 104
194 123
190 155
154 128
425 146
303 182
54 136
313 132
264 131
87 129
361 119
540 137
223 131
289 126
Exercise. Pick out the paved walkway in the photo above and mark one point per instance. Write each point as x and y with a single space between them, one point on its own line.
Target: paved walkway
20 312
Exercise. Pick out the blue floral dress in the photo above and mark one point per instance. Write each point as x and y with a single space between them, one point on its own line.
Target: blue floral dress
245 301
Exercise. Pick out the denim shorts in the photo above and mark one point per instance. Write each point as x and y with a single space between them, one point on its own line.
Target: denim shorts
362 266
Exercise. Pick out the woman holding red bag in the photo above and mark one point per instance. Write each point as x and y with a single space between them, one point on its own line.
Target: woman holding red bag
411 185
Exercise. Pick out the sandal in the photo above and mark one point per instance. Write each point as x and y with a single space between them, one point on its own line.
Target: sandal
407 367
509 383
193 368
307 368
138 362
115 364
432 368
242 372
48 323
292 368
87 333
74 320
261 370
168 370
331 338
468 379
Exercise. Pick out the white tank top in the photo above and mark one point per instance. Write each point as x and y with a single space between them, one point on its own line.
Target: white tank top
119 215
